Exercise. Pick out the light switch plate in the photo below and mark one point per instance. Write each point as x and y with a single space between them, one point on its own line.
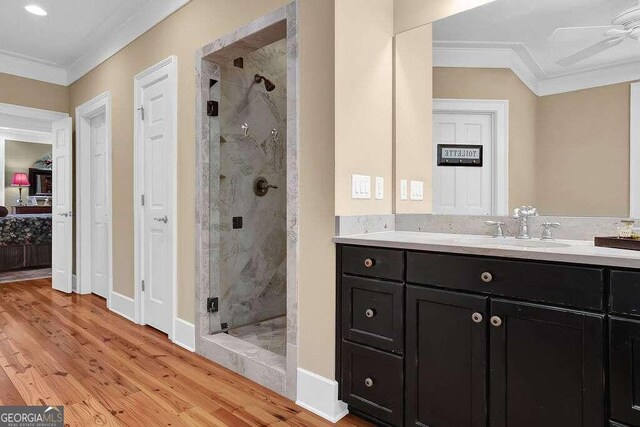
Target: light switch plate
417 190
360 187
379 188
404 189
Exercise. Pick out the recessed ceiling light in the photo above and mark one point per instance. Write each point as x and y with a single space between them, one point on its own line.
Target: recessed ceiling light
36 10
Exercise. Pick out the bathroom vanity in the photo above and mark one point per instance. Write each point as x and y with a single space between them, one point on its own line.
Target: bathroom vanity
445 330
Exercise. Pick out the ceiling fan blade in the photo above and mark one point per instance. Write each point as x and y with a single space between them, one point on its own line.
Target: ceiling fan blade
572 34
590 51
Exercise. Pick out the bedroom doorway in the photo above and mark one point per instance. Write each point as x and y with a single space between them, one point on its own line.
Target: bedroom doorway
27 181
94 198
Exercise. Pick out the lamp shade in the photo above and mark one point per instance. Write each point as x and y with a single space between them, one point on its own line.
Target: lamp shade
20 180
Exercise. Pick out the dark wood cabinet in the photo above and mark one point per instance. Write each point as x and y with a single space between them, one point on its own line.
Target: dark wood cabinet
486 342
374 313
624 370
446 359
546 366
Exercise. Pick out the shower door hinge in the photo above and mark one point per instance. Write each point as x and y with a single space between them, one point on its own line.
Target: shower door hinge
141 109
212 305
142 200
142 285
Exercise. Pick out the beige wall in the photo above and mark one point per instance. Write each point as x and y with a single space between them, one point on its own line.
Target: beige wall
33 93
19 157
583 152
413 116
409 14
485 83
196 24
316 275
364 110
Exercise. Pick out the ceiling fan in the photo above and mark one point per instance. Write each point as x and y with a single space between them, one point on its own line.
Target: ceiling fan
626 25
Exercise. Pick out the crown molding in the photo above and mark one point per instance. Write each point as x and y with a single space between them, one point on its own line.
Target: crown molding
34 69
145 19
517 59
95 53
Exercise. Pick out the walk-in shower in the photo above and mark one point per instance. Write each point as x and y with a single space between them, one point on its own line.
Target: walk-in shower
253 200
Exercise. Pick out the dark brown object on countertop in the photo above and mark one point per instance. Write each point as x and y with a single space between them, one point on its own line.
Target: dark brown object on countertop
618 243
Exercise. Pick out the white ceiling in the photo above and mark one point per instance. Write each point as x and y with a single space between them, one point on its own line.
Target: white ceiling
75 36
524 26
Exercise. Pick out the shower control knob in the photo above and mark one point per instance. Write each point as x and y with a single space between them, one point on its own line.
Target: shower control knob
261 186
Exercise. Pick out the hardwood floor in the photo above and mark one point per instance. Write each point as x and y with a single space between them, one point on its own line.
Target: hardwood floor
58 349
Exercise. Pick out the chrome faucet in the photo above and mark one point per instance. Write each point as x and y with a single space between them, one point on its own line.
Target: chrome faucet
523 213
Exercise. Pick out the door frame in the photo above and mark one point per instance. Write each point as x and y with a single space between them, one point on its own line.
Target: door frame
499 111
84 113
170 65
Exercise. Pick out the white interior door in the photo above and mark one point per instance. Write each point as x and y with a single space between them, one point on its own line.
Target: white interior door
463 190
62 222
99 207
157 166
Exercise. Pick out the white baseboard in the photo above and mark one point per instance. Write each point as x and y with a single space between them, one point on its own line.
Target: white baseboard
122 305
320 396
184 334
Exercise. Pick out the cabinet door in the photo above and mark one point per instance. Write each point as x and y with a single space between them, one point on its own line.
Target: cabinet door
446 359
546 367
625 370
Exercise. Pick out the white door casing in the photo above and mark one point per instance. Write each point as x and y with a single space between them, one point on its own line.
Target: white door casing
498 110
94 254
155 180
463 190
634 152
62 218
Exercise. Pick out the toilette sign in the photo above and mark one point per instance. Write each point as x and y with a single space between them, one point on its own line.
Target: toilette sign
459 155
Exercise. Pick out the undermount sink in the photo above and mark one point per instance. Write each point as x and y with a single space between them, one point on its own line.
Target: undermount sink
510 241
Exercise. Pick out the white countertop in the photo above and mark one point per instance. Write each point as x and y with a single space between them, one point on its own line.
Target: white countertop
570 251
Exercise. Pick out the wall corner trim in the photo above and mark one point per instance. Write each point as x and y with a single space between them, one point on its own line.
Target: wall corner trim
320 396
184 334
122 305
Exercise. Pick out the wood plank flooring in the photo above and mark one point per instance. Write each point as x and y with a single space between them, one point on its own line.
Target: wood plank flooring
58 349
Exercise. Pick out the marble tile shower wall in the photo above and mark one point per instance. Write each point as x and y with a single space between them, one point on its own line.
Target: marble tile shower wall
253 258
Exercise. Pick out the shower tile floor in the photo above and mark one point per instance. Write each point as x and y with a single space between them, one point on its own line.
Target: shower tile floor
270 334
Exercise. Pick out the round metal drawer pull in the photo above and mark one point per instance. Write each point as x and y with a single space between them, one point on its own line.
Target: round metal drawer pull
486 277
368 263
368 382
496 321
370 313
476 317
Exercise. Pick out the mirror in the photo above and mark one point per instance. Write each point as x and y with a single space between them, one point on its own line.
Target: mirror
531 105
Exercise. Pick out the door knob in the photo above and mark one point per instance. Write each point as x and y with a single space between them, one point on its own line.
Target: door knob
496 321
476 317
368 382
64 214
163 219
368 263
370 313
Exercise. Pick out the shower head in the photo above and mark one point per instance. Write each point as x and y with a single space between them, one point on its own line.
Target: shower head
267 83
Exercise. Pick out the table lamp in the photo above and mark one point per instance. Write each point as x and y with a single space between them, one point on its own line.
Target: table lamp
20 180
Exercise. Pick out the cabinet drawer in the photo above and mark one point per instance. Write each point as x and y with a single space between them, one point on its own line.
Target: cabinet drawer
625 292
372 382
581 287
373 313
373 262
